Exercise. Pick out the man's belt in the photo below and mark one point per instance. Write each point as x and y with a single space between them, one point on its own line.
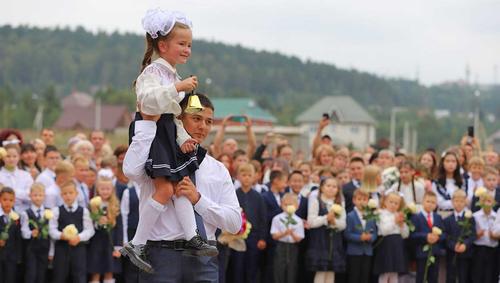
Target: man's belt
174 245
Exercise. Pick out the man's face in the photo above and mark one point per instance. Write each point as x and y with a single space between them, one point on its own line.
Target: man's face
97 139
356 170
198 125
48 137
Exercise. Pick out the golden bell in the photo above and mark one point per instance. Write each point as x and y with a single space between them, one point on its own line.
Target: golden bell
194 105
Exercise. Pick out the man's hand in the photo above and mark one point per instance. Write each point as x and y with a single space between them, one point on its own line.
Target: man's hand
248 121
186 188
323 123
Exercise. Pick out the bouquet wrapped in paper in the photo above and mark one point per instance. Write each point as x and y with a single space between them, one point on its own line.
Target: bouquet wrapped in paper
237 241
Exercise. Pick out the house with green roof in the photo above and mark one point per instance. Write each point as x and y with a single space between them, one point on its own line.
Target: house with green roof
351 123
238 107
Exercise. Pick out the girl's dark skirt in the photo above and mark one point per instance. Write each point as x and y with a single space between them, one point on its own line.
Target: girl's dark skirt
390 255
165 156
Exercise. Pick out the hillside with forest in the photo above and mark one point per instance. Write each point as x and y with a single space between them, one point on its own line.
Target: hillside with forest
46 64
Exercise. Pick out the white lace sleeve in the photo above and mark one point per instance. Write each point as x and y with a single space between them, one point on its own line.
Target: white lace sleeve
154 97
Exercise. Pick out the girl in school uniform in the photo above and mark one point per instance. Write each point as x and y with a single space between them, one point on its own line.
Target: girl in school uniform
103 252
17 179
390 256
411 189
447 182
325 252
28 160
173 155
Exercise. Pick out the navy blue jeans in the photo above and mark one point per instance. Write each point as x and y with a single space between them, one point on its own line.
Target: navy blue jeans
171 266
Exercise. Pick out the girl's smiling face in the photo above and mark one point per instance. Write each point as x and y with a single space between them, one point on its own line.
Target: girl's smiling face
105 189
392 202
12 158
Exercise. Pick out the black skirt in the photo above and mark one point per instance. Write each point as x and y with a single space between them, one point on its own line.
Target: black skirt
390 255
165 156
100 254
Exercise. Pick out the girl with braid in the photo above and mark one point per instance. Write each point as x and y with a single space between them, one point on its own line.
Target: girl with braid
173 155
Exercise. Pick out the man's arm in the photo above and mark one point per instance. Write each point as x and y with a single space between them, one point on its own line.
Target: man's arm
219 137
138 151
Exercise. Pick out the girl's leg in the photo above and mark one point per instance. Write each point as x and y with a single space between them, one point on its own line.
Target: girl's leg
185 213
319 277
393 277
152 209
108 276
330 277
149 212
383 278
95 278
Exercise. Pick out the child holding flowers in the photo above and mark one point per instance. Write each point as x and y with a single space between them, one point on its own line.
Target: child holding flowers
460 229
10 237
428 239
70 227
484 262
390 258
491 186
360 235
35 229
245 264
288 230
327 219
103 252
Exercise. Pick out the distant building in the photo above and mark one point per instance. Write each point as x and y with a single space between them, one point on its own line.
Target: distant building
81 112
241 106
354 124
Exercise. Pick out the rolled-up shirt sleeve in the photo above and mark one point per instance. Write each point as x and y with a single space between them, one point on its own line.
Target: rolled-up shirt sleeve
138 151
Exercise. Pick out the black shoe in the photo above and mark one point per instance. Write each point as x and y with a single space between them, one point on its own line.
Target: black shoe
137 255
199 247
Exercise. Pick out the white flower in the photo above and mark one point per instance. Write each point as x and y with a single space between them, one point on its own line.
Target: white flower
70 231
96 201
436 231
290 209
47 214
480 191
412 207
337 209
372 204
468 214
13 216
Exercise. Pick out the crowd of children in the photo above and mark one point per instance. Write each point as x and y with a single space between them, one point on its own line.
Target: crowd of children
435 221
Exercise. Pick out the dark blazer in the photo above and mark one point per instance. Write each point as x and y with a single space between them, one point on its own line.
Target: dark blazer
348 191
353 233
303 206
453 231
255 209
419 236
273 209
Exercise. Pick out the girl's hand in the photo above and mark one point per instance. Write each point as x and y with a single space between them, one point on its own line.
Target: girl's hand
116 254
261 244
331 217
189 146
400 219
103 220
187 85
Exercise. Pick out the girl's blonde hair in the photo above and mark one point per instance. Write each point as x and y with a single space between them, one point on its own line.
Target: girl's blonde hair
113 202
401 200
370 175
317 153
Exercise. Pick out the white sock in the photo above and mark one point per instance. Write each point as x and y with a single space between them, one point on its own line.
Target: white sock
319 277
185 214
148 215
109 281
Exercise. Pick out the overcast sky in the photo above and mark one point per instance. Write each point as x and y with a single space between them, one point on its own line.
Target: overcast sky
394 38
